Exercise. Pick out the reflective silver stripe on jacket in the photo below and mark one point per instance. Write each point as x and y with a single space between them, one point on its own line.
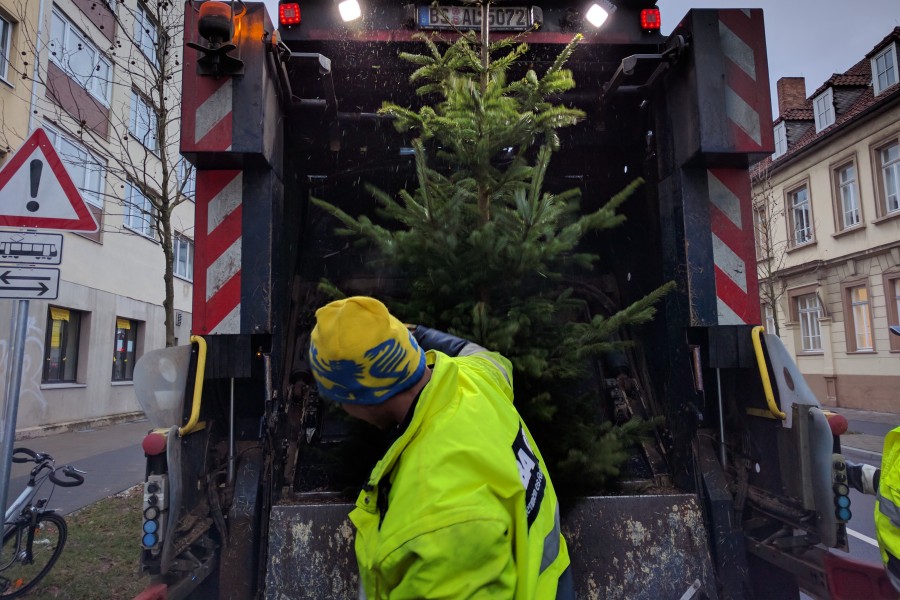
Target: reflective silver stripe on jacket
551 543
472 348
889 509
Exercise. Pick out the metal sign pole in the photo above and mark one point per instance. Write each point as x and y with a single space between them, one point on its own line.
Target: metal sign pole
13 384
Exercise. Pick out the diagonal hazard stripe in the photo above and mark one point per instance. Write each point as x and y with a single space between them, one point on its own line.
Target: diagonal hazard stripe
222 313
726 315
226 266
724 199
230 323
745 116
225 202
213 110
730 295
738 51
732 265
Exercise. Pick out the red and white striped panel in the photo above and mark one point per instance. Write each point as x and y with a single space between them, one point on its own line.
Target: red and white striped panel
747 100
207 125
217 270
734 253
206 113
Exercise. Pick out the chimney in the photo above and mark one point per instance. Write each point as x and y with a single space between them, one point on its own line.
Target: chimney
791 93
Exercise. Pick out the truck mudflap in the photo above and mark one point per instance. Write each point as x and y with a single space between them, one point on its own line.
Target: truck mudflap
621 547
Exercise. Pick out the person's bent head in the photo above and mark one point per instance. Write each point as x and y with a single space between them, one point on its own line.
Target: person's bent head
365 359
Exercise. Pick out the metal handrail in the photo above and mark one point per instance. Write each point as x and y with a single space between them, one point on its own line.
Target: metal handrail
756 333
192 425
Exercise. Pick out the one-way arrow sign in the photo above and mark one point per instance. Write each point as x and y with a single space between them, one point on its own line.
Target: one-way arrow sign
26 284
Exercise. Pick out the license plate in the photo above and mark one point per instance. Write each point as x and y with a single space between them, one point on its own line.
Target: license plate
501 18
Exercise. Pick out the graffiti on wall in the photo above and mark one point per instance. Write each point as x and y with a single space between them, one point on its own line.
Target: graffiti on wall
31 398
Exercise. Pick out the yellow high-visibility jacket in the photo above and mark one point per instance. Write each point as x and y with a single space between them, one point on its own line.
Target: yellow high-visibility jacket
461 506
887 507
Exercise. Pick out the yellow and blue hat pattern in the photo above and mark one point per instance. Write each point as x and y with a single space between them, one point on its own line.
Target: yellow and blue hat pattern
361 354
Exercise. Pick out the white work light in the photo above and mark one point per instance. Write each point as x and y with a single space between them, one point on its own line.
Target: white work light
596 15
350 10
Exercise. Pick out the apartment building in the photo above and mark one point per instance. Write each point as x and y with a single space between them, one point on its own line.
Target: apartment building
15 90
827 211
106 89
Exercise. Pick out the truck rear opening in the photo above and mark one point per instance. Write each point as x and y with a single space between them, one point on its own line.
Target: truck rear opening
252 497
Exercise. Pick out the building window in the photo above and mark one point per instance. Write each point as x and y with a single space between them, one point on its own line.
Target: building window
858 317
761 227
187 179
887 158
781 145
87 172
824 110
61 345
800 216
884 69
808 313
5 40
140 214
847 194
184 257
892 301
124 349
79 58
769 314
143 123
146 35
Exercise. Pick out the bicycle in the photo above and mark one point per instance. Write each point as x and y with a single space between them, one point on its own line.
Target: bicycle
33 535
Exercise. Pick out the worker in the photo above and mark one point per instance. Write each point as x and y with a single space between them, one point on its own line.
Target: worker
868 480
884 484
461 504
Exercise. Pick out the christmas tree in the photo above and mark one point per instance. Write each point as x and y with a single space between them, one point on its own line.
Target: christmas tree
487 253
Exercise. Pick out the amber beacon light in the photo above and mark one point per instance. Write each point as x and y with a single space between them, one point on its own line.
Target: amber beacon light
215 23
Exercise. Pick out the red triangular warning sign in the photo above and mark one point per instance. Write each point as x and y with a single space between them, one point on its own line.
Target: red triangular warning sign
36 191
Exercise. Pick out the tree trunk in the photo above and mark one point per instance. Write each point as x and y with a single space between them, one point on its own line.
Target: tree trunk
168 277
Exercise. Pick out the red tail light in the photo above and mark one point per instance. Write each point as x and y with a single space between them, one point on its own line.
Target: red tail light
289 13
650 18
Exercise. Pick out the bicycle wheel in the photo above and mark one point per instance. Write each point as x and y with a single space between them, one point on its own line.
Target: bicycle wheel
29 553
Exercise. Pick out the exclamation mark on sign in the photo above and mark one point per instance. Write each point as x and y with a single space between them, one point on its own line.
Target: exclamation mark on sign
36 167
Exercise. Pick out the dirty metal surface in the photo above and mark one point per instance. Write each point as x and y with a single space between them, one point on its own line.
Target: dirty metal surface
638 547
622 547
311 553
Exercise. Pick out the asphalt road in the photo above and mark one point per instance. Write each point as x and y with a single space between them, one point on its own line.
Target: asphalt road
861 527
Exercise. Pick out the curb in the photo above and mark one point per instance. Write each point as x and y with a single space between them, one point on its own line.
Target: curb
862 451
69 426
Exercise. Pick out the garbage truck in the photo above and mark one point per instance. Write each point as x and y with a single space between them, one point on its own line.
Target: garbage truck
742 491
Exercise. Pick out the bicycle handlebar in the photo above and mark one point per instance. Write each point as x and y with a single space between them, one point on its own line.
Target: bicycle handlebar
75 478
32 456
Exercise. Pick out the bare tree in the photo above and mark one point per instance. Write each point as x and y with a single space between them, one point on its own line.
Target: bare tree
771 250
118 94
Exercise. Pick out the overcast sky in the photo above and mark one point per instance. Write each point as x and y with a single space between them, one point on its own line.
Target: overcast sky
805 38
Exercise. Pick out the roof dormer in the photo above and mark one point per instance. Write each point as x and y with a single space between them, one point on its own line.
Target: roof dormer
884 67
823 109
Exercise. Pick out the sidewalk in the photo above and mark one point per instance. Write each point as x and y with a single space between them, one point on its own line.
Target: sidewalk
871 440
111 455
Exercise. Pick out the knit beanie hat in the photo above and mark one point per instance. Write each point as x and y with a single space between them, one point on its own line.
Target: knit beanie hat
361 354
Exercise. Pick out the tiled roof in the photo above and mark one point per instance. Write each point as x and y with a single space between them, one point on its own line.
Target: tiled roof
857 76
798 114
893 35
